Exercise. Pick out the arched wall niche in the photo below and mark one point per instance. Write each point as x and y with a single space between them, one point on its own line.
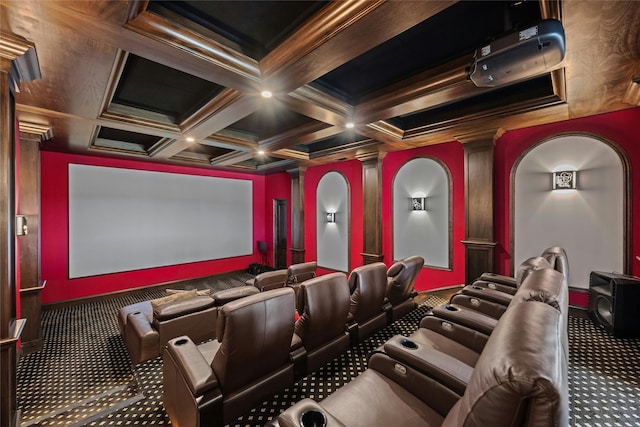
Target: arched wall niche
590 222
425 233
332 238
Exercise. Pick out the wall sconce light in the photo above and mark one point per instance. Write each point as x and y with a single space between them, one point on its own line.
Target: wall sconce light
418 203
21 225
331 217
564 180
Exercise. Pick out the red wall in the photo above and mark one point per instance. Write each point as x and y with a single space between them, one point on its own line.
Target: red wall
54 232
619 127
452 155
352 171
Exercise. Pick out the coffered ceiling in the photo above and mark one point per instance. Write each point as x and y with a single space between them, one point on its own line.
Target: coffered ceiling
181 81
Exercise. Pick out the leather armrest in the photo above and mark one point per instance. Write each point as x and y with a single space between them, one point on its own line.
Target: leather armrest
487 294
499 278
292 417
507 289
440 366
182 307
466 317
139 324
468 337
193 367
491 309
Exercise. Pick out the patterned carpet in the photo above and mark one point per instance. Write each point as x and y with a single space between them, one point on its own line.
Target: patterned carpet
83 376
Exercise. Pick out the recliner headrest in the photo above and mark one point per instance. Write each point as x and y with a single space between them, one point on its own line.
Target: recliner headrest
228 309
533 263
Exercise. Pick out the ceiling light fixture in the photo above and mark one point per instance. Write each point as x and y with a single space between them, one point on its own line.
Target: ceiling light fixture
190 139
266 94
350 125
261 152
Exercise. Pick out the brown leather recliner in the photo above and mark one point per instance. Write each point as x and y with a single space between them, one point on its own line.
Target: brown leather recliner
400 292
520 379
298 273
323 306
545 285
558 259
491 298
213 383
555 256
146 329
269 280
368 287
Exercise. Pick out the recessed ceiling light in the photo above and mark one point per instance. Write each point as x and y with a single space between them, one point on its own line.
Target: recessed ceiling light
261 152
190 139
266 94
349 125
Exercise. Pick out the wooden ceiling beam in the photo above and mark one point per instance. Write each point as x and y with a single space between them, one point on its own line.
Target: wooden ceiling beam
338 33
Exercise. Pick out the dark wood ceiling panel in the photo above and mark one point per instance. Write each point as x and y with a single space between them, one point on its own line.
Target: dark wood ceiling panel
151 86
272 119
254 29
141 139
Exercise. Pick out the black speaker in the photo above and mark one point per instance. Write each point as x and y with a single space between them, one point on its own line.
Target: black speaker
614 303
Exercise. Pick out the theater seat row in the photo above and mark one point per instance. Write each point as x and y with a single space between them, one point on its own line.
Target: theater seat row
260 348
445 374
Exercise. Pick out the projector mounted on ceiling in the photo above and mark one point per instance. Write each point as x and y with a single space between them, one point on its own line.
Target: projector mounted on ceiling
519 55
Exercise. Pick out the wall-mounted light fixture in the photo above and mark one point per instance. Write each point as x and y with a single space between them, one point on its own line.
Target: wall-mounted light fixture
331 217
21 225
565 180
419 203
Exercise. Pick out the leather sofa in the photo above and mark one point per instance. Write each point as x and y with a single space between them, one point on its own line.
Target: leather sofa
464 333
147 326
323 306
467 310
269 280
555 256
490 298
212 383
367 309
401 277
519 378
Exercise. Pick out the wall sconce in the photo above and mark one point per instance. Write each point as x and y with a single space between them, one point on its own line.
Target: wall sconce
418 203
331 217
21 225
564 180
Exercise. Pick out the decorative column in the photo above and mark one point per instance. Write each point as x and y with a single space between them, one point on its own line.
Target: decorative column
297 214
31 134
479 240
18 62
371 206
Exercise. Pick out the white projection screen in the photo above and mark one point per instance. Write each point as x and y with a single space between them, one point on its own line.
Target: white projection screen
124 219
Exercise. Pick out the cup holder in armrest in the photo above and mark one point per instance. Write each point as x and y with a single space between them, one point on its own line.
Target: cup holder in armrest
182 341
408 344
451 308
313 418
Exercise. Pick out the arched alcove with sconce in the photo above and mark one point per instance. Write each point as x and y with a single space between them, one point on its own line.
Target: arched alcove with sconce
422 212
332 222
569 191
